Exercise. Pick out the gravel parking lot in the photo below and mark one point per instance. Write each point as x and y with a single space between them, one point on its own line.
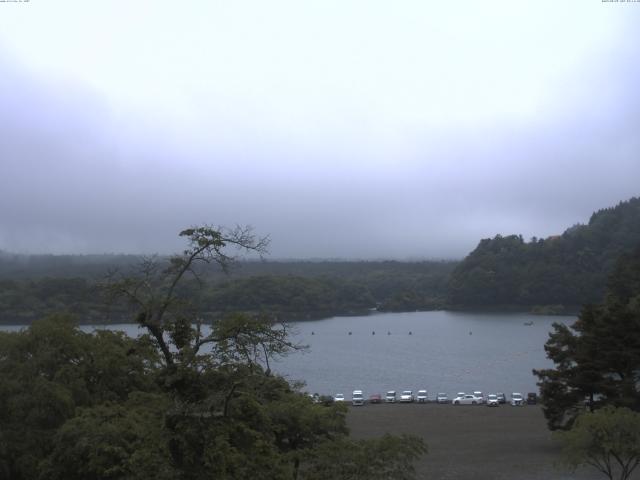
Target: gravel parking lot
471 442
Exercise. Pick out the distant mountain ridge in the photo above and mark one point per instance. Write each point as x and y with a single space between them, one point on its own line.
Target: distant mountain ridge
553 275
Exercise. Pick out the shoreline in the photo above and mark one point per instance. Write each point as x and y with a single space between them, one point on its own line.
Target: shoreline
306 317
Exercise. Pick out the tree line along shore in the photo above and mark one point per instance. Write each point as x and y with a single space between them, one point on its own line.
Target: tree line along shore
554 275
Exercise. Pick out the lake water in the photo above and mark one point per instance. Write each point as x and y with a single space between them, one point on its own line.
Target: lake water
445 352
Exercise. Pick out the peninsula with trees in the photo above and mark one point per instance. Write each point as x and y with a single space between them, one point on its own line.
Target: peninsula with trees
553 275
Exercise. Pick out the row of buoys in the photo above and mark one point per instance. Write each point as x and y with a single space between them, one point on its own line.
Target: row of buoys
372 333
388 333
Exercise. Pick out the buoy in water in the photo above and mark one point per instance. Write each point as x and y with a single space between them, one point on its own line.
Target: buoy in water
410 333
312 333
373 333
388 333
349 333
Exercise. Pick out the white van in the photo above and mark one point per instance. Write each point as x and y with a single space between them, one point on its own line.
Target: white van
357 398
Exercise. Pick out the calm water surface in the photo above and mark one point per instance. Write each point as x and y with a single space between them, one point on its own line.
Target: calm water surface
445 352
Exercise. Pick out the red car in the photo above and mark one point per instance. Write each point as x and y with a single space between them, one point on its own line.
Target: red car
375 398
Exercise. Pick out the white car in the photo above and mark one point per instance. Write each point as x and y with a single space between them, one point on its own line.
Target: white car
357 398
467 399
480 395
442 398
492 400
517 400
390 397
422 396
406 396
338 397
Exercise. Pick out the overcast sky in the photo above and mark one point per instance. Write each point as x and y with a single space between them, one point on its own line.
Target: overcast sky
351 129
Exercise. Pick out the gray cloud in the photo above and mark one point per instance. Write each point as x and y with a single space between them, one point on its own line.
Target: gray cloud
83 173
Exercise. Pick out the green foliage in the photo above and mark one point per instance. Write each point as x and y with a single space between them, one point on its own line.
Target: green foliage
250 340
52 369
288 290
112 441
95 406
22 301
288 297
298 425
598 358
568 270
608 440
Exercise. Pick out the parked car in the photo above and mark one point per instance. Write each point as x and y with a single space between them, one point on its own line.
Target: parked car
517 400
502 398
406 396
390 397
480 395
326 400
422 396
467 399
492 400
442 398
357 398
532 398
338 397
375 398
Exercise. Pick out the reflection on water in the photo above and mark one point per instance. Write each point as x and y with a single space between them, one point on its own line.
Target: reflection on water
440 351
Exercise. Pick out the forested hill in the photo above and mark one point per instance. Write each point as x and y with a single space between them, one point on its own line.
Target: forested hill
32 287
555 274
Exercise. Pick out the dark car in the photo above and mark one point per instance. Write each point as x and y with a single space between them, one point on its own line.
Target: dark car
375 398
532 398
502 398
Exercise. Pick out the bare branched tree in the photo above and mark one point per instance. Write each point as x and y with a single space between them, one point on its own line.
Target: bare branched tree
152 294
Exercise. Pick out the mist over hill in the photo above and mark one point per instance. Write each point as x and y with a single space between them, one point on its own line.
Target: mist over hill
557 273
